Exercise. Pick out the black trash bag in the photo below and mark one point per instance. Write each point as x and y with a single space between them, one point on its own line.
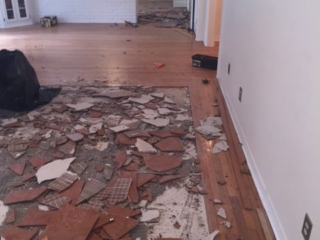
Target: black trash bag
19 86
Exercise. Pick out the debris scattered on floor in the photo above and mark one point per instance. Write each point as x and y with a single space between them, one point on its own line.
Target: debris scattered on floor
220 146
210 127
227 224
222 213
96 152
212 235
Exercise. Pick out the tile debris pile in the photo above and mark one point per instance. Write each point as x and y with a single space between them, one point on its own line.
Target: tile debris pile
88 165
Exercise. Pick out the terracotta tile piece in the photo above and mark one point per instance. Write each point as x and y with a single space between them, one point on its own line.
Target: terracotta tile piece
68 148
17 168
94 236
133 192
162 134
23 195
90 189
58 155
115 94
161 163
28 176
61 140
178 131
119 226
102 195
101 132
124 212
74 191
78 168
132 167
136 133
16 233
18 146
75 137
11 216
17 184
120 158
98 168
102 220
143 178
16 155
36 217
170 144
83 130
55 201
97 206
37 162
123 139
119 191
61 109
70 223
168 178
53 126
63 182
95 114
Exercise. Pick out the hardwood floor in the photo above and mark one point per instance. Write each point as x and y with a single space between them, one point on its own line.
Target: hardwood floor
119 55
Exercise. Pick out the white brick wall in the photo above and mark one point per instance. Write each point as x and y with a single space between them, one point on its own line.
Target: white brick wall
85 11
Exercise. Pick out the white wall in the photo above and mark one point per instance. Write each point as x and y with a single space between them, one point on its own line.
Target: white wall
86 11
1 16
274 50
180 3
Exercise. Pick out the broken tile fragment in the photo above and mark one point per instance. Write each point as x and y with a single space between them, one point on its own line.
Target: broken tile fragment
27 195
220 146
63 182
123 139
94 128
53 126
17 168
102 220
61 140
119 226
136 133
58 155
141 100
119 191
81 129
157 95
132 123
78 168
55 201
80 106
53 169
150 216
168 100
170 144
60 110
132 167
119 128
98 168
28 176
95 114
75 137
16 233
162 134
144 147
133 195
68 148
37 162
90 189
74 191
211 236
158 122
143 178
11 216
125 212
35 217
101 146
168 178
114 93
217 201
108 172
70 223
161 163
164 111
120 158
222 213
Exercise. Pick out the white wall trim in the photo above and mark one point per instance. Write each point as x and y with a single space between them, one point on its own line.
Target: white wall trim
265 198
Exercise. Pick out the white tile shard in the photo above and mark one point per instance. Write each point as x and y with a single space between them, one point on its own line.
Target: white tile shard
220 146
132 124
141 100
6 122
183 117
53 169
168 100
101 146
223 137
150 113
158 122
149 215
3 212
43 208
80 106
212 235
164 111
94 128
209 131
216 121
222 213
157 95
113 120
144 147
119 128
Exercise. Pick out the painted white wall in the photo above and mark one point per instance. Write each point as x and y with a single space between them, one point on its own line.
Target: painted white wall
274 50
180 3
1 16
86 11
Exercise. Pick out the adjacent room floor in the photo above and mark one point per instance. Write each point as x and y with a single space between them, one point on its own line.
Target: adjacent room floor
115 55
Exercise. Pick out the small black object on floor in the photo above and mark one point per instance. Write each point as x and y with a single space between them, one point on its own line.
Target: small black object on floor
204 61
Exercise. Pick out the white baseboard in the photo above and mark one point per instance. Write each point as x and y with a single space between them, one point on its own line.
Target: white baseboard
265 198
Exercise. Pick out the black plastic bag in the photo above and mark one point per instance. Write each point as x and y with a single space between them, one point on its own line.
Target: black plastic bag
19 86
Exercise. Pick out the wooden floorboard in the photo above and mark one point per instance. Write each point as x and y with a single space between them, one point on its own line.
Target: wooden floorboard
116 55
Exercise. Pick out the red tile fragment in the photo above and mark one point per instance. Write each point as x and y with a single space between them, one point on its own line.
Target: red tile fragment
119 190
37 162
61 140
53 126
178 131
28 176
133 193
162 134
102 220
132 167
170 144
98 168
168 178
16 233
90 189
101 132
94 236
36 217
119 226
136 133
95 114
120 158
63 182
17 168
70 223
58 155
23 195
74 191
61 109
68 148
75 137
143 178
124 212
115 94
17 184
161 163
123 139
78 168
83 130
11 216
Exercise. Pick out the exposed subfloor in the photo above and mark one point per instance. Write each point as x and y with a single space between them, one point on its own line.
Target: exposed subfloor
115 55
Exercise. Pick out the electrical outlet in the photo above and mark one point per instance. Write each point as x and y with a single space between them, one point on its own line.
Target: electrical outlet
240 94
307 227
229 68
